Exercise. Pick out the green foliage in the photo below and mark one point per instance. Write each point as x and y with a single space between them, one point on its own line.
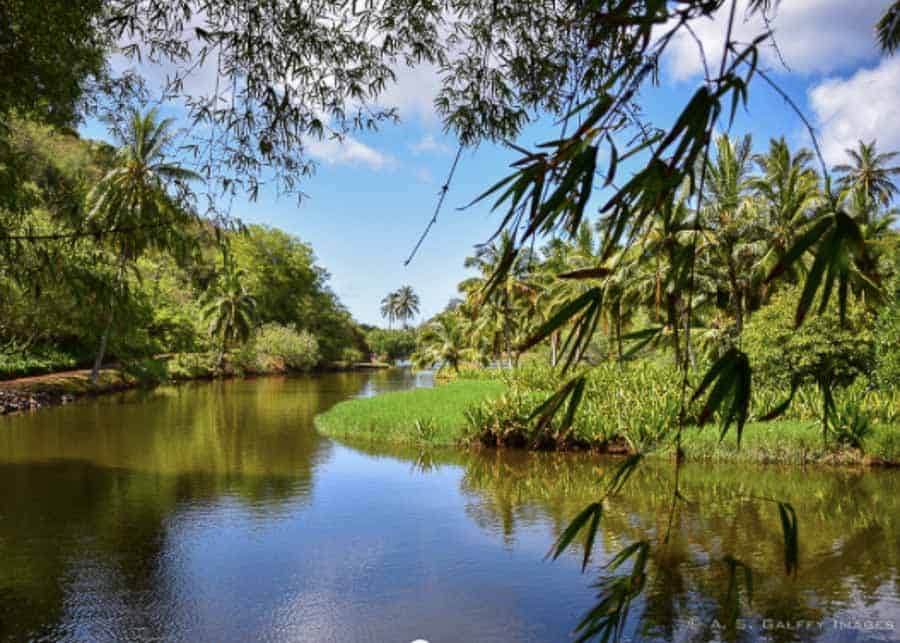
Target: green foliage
276 348
433 416
391 344
35 362
822 347
635 402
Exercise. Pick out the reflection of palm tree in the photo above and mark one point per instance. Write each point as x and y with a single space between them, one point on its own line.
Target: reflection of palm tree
870 172
133 201
230 309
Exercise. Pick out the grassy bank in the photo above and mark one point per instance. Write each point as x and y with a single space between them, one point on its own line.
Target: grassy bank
789 442
477 411
421 416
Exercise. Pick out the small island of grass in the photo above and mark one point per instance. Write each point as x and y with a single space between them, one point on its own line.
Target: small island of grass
432 417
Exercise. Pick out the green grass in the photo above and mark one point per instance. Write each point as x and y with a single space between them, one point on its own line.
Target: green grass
788 442
433 417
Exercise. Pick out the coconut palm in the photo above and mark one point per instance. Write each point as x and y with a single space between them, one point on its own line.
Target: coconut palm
141 202
406 304
444 340
871 172
737 233
230 310
788 192
501 309
389 308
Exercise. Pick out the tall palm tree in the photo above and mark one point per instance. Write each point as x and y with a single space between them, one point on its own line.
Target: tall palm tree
406 304
389 308
141 202
788 192
735 224
501 312
230 309
870 172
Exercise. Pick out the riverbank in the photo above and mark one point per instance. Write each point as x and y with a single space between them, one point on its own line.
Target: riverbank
448 416
51 389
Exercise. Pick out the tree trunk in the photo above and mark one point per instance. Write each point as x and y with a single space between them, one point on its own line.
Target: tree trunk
619 335
554 347
738 299
98 360
104 338
673 324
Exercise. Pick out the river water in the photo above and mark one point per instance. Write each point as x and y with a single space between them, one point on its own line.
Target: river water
215 512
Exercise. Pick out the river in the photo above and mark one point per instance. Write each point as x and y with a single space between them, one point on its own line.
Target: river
214 512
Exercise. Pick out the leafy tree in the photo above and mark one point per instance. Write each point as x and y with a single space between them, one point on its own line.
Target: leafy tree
870 172
142 201
444 340
230 309
389 308
787 190
406 304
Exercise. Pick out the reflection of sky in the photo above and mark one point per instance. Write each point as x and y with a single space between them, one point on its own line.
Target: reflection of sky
382 553
348 546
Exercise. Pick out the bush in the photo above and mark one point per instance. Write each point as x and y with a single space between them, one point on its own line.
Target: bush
36 363
275 348
391 344
887 345
820 348
352 355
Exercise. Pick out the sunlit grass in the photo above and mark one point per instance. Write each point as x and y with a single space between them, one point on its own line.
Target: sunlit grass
420 416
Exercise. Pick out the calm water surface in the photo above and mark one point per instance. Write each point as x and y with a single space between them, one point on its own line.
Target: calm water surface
214 512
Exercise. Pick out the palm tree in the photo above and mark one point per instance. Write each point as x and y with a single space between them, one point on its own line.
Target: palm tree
389 308
141 202
870 172
406 304
230 309
444 340
501 310
737 233
788 192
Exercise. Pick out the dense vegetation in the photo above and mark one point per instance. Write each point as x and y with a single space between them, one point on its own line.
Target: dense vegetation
196 294
693 247
755 207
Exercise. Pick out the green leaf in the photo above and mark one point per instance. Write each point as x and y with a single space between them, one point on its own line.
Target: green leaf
590 516
731 393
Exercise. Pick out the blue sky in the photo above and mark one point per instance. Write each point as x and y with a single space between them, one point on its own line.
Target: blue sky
373 194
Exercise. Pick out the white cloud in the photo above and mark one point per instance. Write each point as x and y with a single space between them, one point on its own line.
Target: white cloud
348 151
814 36
414 92
861 107
429 144
424 175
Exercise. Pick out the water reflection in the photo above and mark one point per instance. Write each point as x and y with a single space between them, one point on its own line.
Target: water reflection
215 512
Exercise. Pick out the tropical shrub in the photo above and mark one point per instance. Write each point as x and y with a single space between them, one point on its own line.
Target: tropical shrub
277 348
352 355
391 344
821 348
887 345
